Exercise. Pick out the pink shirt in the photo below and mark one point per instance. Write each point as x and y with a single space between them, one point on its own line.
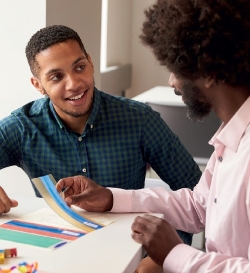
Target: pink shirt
220 203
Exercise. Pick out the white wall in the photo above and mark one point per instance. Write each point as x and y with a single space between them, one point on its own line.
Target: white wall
18 21
84 16
119 32
125 20
146 72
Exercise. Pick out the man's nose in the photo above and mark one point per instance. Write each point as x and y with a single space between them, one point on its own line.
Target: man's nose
73 82
171 80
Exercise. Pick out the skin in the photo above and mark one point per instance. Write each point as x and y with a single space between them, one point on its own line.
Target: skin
148 265
156 235
66 73
85 193
198 104
225 100
5 202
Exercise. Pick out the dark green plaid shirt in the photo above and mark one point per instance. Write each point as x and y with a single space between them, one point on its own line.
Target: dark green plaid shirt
120 138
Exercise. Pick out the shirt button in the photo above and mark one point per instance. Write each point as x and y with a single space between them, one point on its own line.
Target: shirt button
84 170
79 138
215 200
220 158
91 126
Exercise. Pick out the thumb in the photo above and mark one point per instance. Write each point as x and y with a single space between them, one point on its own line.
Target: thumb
13 203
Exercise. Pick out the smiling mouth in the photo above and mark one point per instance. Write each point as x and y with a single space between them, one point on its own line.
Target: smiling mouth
76 97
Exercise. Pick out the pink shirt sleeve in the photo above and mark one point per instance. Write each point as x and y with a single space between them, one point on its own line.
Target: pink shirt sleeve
158 200
122 200
194 260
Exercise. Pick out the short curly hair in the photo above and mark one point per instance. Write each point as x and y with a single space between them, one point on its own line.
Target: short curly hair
201 38
46 37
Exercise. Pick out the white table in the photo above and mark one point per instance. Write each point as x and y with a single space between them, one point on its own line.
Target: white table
107 250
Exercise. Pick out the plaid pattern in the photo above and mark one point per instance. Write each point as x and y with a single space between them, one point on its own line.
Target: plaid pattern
121 137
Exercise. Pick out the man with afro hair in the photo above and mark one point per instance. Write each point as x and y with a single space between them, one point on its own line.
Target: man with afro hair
205 44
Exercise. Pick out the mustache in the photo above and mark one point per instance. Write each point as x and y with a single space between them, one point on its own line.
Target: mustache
178 93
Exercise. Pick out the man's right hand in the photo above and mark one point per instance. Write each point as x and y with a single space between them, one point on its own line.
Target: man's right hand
85 193
5 202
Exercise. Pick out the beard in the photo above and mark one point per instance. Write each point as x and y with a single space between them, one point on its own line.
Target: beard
198 107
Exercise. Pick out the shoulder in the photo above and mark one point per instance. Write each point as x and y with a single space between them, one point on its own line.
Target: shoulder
33 108
26 113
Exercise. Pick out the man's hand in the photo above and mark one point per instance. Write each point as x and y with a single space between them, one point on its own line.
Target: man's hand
85 193
5 202
156 235
147 265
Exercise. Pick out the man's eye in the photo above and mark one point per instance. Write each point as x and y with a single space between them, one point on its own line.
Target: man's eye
80 67
56 77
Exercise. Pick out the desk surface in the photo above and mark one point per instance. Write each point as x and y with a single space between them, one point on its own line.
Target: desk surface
160 95
110 249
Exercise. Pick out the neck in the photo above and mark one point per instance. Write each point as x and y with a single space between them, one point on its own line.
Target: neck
228 100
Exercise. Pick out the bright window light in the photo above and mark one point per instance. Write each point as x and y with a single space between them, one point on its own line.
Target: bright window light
104 26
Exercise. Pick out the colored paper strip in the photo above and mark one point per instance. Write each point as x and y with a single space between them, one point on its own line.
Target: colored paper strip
29 239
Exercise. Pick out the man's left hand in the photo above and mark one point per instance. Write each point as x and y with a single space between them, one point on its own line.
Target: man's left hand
156 235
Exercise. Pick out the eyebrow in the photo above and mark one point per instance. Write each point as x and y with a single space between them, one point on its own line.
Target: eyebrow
51 71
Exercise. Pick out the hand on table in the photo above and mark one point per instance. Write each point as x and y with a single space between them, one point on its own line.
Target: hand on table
85 193
5 202
147 265
156 235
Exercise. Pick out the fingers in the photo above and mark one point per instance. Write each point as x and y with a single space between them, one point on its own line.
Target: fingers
138 237
64 183
139 228
67 192
78 198
85 193
13 203
156 235
141 223
5 202
77 183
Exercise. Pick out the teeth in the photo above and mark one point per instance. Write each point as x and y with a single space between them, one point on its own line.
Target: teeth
77 97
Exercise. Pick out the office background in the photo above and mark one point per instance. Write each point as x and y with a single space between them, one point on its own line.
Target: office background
110 31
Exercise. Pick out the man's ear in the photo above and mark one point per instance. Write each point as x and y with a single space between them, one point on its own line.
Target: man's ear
36 83
209 82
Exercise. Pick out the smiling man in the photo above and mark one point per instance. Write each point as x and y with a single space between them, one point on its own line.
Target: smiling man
67 80
79 130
